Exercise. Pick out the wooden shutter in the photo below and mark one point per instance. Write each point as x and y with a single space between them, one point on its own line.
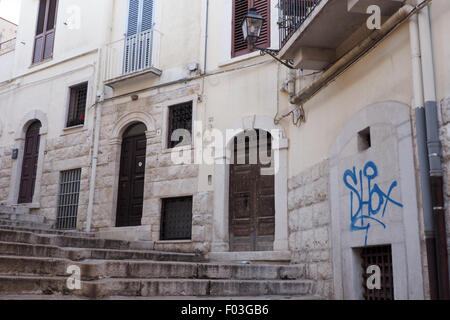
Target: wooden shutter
240 9
133 17
263 8
45 30
140 16
147 15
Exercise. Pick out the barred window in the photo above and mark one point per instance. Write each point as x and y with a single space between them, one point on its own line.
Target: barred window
380 256
69 191
77 105
176 218
180 117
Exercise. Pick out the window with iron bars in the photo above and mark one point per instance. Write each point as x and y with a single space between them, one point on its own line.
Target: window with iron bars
69 193
180 117
380 256
176 218
77 105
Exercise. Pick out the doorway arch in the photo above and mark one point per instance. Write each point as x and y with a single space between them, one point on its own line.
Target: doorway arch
16 172
130 196
252 193
221 237
29 163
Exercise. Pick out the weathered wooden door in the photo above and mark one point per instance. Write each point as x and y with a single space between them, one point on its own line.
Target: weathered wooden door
131 177
29 164
251 203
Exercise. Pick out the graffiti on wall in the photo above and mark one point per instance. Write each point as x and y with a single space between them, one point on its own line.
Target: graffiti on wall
367 209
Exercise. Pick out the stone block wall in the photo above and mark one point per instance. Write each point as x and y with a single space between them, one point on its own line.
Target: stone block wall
66 152
310 225
163 178
5 172
445 141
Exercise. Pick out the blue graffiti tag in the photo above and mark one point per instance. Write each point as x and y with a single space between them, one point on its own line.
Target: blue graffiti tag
377 199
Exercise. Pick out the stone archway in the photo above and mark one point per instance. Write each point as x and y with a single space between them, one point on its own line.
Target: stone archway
221 182
115 143
21 131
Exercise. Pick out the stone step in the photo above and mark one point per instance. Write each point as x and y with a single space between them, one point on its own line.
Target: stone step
13 209
49 231
22 217
78 254
99 269
153 287
71 241
25 224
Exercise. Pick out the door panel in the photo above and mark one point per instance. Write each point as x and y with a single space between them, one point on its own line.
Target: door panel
29 164
252 202
131 181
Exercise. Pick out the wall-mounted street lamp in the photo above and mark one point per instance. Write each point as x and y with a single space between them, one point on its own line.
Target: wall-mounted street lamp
251 28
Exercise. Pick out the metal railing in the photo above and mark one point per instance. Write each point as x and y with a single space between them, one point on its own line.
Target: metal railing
292 13
131 54
7 46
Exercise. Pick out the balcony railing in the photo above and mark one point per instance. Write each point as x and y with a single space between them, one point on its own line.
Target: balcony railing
7 46
292 13
131 54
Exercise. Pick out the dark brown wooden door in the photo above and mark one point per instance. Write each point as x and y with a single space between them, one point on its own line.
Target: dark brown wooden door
131 178
252 203
29 164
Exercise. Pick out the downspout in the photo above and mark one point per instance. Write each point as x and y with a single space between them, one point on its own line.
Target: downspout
97 123
206 37
424 167
434 151
98 115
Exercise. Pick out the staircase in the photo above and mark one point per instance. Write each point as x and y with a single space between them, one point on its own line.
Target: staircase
34 261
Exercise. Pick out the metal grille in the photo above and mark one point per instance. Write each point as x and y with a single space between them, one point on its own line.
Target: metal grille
77 107
180 117
382 257
176 218
69 190
292 13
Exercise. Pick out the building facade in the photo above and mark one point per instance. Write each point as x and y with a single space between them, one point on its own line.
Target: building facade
132 124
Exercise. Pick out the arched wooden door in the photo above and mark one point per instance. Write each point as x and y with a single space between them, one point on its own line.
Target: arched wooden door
252 198
29 164
131 177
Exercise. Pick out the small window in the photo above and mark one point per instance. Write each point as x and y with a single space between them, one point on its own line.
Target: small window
176 218
77 105
364 140
380 256
180 125
69 191
45 30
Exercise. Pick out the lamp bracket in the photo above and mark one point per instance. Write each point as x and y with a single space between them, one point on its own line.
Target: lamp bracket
273 54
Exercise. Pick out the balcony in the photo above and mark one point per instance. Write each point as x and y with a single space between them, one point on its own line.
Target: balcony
7 46
135 57
7 54
315 33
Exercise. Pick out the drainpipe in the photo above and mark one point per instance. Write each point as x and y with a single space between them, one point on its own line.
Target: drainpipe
99 98
97 123
434 152
424 168
206 37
